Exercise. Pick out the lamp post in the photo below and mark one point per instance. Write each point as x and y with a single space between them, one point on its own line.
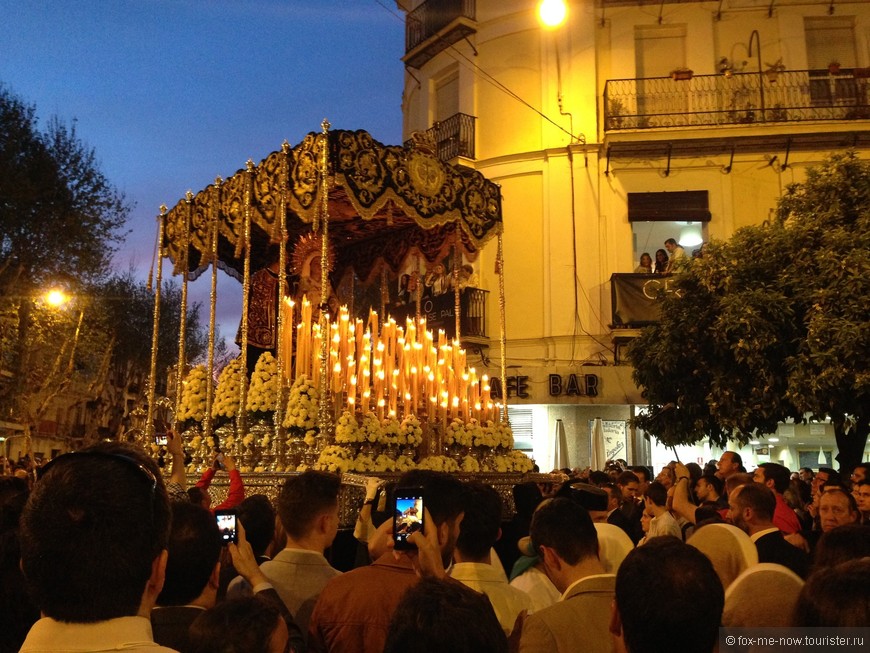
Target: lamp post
757 38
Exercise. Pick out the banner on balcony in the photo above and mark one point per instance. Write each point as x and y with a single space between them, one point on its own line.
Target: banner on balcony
636 298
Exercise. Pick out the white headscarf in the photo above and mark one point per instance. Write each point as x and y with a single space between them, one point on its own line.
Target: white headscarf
729 549
763 596
613 546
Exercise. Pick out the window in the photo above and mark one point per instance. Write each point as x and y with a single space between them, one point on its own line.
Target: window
830 39
521 423
655 217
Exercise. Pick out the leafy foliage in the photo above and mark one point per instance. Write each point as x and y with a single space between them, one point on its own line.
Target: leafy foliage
770 325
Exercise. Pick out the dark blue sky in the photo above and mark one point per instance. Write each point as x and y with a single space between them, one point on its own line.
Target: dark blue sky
172 93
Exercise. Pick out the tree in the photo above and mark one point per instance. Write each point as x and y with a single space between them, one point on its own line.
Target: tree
770 325
60 217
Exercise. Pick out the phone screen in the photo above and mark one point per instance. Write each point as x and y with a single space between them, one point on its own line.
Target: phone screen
408 516
161 439
226 522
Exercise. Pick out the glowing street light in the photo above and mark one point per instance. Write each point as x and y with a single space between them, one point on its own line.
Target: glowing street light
552 13
56 298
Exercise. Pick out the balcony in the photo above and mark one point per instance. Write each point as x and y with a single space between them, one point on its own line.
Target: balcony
453 137
737 99
436 25
440 313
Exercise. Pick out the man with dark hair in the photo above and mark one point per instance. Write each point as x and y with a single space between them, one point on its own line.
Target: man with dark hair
473 566
192 576
93 550
258 516
437 616
632 505
668 597
776 477
308 515
862 500
661 521
643 476
243 625
730 463
565 538
354 610
752 508
861 472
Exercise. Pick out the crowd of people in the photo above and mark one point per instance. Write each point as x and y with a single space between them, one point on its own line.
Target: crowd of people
100 553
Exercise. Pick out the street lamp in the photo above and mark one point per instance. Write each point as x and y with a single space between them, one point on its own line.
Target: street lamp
757 38
552 13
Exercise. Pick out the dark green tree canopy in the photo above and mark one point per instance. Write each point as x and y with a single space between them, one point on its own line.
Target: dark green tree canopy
60 217
770 325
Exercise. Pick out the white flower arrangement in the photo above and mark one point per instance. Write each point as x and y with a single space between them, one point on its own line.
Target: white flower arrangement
263 392
226 400
469 464
371 427
410 431
486 436
476 432
438 464
196 442
404 463
363 463
334 459
520 462
301 417
248 440
347 430
504 435
383 463
390 431
458 434
193 393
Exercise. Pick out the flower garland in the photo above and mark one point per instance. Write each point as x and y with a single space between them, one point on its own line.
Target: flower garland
263 392
301 417
192 408
226 400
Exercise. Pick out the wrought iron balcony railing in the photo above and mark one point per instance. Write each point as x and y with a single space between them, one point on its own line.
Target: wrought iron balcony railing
434 15
453 137
736 99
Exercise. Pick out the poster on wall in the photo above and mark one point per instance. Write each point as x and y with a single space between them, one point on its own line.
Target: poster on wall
614 438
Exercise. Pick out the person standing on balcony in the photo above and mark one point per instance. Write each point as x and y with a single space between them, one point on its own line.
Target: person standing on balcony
645 266
661 266
676 254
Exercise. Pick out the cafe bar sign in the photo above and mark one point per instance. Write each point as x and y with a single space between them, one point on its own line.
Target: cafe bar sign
584 384
568 385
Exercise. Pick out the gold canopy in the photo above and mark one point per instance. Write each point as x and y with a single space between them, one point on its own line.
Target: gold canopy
385 202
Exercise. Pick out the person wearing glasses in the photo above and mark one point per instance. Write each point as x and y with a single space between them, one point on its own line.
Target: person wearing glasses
93 550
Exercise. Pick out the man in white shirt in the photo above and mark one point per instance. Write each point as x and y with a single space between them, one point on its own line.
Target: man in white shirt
473 565
676 256
565 537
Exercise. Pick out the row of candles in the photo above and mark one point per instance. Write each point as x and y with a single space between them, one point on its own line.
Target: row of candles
383 367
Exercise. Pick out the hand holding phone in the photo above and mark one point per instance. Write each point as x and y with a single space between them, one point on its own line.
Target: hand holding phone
227 526
409 516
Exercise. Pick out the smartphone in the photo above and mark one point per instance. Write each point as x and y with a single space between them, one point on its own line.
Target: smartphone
227 525
220 460
161 439
408 516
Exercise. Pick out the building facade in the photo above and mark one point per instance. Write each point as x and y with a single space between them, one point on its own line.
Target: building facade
630 123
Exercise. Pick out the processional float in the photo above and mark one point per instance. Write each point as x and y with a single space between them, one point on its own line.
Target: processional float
387 396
